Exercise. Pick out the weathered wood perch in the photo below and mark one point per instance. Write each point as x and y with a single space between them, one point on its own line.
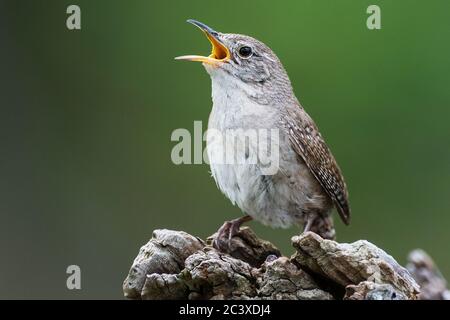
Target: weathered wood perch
176 265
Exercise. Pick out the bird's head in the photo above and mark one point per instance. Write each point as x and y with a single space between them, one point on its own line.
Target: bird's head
243 59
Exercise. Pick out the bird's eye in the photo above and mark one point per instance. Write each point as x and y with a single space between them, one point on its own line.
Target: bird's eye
245 52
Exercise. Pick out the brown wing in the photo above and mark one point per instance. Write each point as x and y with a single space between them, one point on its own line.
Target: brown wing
309 144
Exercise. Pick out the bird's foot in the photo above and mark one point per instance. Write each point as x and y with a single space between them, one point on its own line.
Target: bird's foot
321 225
227 231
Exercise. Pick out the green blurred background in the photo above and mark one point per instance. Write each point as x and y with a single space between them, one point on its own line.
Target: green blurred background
86 118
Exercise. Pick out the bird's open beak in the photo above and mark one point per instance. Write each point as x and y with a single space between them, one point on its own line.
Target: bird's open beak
219 53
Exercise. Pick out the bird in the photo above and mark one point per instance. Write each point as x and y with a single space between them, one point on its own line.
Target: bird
251 90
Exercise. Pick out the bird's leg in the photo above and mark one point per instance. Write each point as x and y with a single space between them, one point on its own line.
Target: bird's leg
236 225
321 225
309 223
227 231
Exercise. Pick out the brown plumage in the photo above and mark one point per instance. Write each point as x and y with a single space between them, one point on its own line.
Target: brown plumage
250 91
310 146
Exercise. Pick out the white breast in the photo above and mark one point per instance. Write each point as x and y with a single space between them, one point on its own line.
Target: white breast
275 200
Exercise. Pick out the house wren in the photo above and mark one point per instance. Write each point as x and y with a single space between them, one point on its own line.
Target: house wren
251 90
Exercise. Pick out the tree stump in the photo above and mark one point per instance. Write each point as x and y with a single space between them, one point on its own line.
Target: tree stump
177 265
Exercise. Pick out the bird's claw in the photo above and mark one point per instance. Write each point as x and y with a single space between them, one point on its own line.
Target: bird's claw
225 234
222 240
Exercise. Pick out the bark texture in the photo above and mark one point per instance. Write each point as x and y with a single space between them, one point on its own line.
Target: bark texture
177 265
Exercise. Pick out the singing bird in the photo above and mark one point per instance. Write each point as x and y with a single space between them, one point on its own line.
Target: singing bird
251 90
